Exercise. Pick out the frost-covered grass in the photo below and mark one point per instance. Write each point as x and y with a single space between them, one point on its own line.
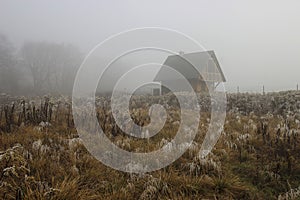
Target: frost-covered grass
256 157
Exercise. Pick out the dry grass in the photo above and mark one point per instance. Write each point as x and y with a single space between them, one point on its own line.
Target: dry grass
248 162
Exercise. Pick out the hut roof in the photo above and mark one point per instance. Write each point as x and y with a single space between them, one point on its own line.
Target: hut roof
205 62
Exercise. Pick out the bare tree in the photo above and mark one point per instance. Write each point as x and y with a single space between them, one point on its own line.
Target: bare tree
52 66
8 78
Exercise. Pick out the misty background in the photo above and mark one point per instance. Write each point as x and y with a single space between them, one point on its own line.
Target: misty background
42 43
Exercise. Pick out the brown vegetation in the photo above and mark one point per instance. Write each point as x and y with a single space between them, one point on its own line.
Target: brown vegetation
256 157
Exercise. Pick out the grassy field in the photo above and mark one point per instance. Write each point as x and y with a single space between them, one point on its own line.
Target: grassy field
256 157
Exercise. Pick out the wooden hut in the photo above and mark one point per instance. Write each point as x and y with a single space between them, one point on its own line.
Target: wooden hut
189 65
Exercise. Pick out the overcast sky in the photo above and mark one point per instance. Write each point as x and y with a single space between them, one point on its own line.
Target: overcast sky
257 42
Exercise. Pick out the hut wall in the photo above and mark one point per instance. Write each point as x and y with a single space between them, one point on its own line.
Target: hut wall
198 85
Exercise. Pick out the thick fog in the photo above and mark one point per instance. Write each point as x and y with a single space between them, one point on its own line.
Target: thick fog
43 43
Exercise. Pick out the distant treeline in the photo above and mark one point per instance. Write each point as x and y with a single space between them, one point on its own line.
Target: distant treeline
37 68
